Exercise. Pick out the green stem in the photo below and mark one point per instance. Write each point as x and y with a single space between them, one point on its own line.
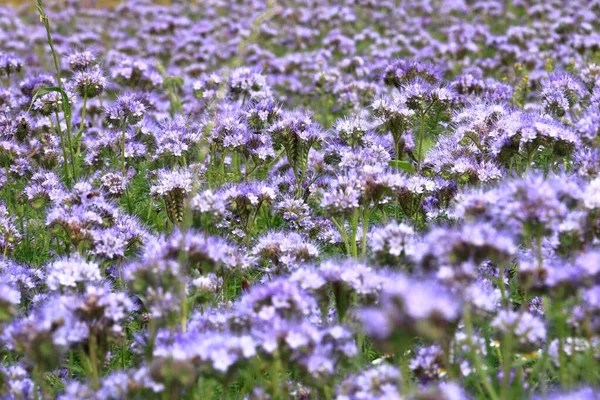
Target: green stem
46 21
93 348
405 373
82 124
8 185
184 307
354 227
123 128
278 389
128 199
501 283
149 214
506 364
365 227
64 147
421 135
39 382
342 230
476 357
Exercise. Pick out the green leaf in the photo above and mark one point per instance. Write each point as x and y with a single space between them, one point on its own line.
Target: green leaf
42 92
66 107
405 165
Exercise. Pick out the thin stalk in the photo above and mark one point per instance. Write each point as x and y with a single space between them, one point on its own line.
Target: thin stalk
46 21
354 227
278 388
7 186
404 366
82 124
184 307
62 145
123 128
93 347
149 214
71 362
421 135
343 233
365 227
127 198
39 382
476 358
298 183
501 283
506 364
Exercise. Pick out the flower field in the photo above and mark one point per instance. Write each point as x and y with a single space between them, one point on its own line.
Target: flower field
300 199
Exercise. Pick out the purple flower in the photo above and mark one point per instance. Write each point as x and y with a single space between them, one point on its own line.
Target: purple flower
393 243
46 333
89 83
173 186
10 64
71 272
406 307
403 71
128 109
284 250
375 383
175 137
560 93
81 60
527 329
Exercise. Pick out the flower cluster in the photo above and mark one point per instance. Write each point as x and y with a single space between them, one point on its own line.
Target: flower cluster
367 199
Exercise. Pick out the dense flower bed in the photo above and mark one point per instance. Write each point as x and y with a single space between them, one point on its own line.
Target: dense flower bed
309 199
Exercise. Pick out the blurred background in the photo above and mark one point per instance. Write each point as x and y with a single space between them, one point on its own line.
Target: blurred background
86 3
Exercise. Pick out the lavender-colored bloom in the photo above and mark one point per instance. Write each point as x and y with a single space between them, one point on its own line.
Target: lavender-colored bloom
108 243
71 272
406 307
473 242
560 92
173 186
128 109
18 382
10 64
353 276
343 196
428 363
10 297
9 233
393 243
46 333
217 352
278 299
30 85
136 74
103 310
247 85
81 60
175 137
284 251
403 71
527 329
114 183
375 383
50 103
171 181
89 83
584 393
